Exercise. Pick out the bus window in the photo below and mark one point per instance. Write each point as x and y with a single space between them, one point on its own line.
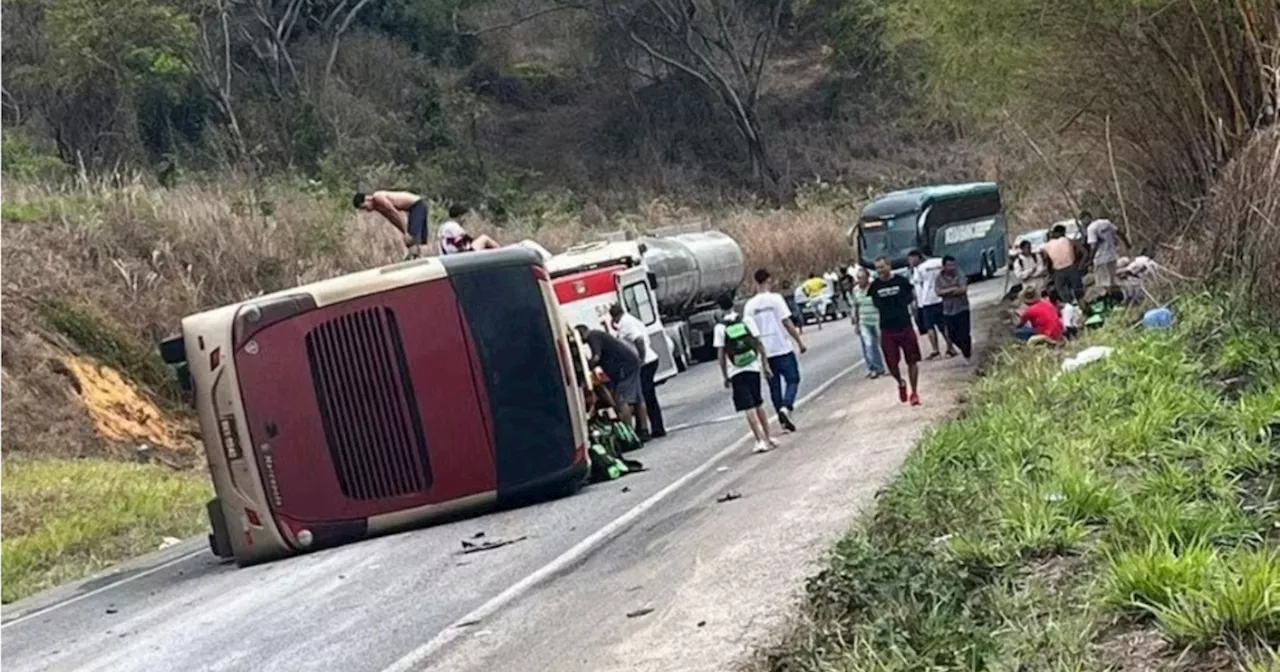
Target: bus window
959 210
892 238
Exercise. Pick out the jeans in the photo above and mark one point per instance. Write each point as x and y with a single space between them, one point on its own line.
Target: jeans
785 369
871 347
1024 333
960 332
650 391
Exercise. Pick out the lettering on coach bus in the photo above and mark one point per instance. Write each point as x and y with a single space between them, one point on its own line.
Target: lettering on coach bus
962 233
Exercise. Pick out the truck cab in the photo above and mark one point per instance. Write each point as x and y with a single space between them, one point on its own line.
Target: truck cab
588 279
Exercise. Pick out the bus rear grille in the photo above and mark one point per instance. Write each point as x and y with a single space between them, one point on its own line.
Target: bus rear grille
370 415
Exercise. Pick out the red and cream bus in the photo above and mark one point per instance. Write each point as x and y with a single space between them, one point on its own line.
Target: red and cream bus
383 400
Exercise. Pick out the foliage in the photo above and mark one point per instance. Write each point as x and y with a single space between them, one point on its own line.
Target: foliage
112 512
1133 491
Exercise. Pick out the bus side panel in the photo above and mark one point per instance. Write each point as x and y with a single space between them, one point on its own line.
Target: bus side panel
506 317
970 241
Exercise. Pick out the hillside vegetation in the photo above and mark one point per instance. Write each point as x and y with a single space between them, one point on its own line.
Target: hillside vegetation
165 156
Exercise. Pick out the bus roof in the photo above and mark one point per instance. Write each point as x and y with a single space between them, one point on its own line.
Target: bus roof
912 200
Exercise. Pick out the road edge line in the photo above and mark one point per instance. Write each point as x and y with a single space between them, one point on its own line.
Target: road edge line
412 661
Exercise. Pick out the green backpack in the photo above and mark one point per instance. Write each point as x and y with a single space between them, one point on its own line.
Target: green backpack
738 345
609 439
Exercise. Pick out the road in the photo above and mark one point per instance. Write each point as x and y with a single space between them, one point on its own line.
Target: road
412 601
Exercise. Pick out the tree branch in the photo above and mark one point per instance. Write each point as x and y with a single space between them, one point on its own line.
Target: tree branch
512 23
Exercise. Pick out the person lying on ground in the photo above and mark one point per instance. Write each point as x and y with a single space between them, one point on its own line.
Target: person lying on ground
743 361
455 239
1039 322
405 210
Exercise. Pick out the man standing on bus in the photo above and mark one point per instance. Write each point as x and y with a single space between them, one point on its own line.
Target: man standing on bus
405 210
769 311
892 296
924 275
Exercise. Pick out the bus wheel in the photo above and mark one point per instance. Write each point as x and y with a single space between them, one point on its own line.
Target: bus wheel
219 535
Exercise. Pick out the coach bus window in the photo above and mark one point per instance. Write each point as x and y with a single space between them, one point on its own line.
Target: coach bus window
892 238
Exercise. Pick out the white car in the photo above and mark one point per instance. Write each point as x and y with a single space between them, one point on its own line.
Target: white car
1038 237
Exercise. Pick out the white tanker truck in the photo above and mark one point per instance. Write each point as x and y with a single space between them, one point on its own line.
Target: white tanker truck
682 273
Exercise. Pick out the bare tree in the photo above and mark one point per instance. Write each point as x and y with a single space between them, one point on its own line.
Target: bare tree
212 63
722 44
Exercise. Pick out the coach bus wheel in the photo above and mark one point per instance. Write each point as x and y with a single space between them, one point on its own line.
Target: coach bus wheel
219 537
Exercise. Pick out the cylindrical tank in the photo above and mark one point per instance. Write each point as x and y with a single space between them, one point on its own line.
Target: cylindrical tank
693 269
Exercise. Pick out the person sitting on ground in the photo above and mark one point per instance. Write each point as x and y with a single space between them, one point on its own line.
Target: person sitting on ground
1038 322
405 210
1070 316
743 362
455 239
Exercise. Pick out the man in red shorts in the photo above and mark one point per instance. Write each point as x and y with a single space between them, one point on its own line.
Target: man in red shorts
892 296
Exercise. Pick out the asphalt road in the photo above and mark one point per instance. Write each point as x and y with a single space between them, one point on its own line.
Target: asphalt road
400 602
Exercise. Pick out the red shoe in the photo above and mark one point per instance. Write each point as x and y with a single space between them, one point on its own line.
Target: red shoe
902 393
915 399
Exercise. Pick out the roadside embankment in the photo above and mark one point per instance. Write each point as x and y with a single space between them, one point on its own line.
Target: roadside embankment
101 459
1123 515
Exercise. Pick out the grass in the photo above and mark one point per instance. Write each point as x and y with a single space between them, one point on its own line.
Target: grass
1066 516
64 519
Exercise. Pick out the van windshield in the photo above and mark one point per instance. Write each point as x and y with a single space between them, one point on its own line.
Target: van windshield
892 238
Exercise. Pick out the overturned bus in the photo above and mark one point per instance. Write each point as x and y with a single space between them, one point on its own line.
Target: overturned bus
382 400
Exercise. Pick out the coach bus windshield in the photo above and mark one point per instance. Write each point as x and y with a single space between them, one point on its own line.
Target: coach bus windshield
892 238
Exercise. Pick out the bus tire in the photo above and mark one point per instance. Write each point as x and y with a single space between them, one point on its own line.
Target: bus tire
219 535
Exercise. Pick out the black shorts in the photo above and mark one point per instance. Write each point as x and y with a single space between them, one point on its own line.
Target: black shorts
929 318
416 226
746 390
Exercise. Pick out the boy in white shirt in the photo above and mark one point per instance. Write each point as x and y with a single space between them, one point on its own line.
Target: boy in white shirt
742 362
772 318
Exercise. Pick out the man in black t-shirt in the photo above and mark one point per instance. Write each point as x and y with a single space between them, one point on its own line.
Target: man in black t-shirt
621 363
892 296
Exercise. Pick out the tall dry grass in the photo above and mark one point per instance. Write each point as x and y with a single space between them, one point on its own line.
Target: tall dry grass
109 268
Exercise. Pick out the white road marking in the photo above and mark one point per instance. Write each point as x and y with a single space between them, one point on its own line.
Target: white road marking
415 659
99 589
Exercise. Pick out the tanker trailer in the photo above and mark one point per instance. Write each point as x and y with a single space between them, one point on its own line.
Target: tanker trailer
690 272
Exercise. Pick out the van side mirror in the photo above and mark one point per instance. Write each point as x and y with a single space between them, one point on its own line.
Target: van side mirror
653 281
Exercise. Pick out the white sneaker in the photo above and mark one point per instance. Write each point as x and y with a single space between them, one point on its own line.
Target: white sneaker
761 447
774 442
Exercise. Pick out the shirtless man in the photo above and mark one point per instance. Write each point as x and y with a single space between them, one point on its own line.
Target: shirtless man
405 210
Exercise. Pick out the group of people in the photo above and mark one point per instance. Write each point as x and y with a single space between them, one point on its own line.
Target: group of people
629 363
1051 285
407 212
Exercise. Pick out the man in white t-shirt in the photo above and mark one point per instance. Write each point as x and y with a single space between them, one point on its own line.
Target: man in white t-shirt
769 311
924 275
742 362
630 329
454 239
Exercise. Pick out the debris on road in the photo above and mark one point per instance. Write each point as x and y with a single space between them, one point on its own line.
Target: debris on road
478 535
728 497
168 542
721 470
468 547
111 609
701 623
626 488
639 612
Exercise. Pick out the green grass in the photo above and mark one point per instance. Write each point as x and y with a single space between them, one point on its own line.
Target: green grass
1138 494
64 519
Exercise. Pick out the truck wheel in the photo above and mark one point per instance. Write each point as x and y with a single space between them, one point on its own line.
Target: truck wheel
219 536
